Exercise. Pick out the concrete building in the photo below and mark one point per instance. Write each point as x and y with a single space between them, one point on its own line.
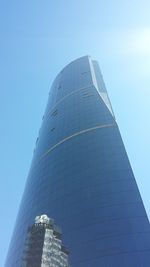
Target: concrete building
43 245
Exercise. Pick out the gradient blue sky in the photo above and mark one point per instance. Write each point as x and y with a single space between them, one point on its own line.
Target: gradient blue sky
38 38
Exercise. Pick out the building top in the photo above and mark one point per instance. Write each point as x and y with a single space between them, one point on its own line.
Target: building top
84 72
44 219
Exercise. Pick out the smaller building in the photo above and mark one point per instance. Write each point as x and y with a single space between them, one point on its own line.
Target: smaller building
43 245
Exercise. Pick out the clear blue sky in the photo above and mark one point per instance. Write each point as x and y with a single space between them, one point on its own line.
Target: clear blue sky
38 38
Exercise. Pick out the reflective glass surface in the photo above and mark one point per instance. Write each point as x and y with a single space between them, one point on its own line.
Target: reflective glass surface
81 176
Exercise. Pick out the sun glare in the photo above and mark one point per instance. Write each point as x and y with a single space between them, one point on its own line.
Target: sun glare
140 41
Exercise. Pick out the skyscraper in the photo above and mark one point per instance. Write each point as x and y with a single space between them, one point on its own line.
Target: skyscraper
81 176
43 245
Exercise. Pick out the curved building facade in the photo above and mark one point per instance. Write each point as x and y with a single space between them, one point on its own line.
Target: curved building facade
81 177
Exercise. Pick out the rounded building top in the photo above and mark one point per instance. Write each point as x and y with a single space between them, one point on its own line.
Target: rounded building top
42 219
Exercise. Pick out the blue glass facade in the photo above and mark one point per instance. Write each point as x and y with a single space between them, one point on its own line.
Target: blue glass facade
81 176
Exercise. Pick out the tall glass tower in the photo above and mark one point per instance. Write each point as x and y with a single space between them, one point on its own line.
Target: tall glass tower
81 177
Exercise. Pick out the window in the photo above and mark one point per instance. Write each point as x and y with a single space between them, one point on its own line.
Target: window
52 129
